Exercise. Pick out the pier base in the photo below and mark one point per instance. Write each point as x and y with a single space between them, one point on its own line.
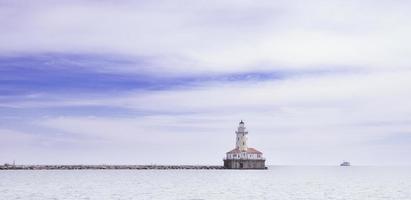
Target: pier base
244 164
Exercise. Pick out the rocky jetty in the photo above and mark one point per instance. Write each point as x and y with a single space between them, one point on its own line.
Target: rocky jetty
106 167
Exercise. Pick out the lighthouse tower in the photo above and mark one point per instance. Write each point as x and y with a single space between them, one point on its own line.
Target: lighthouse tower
241 142
242 156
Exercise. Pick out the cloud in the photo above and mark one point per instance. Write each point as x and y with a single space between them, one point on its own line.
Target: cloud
304 90
327 117
316 81
217 37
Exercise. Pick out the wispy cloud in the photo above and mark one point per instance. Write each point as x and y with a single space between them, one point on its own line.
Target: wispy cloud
224 36
318 80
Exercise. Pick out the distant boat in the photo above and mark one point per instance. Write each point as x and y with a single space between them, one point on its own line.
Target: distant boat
345 164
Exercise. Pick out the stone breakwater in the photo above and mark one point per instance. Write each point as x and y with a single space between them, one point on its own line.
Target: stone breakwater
107 167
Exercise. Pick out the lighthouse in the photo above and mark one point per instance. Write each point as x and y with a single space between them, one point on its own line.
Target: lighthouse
241 133
242 156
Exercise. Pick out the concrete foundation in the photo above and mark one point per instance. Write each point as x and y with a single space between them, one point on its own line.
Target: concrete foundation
244 164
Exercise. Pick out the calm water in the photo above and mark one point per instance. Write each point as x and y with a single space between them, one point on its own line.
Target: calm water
276 183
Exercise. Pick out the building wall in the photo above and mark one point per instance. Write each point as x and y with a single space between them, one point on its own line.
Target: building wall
244 155
244 164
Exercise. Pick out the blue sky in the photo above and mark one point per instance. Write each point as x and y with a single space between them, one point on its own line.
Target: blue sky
166 82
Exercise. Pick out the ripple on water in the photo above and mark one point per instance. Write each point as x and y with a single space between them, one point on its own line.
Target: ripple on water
283 183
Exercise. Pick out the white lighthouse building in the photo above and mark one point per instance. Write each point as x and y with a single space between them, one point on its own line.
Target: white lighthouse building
242 156
241 133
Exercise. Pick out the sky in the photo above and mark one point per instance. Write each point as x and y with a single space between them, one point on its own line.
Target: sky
167 82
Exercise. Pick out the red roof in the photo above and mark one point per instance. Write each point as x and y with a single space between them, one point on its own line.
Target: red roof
249 150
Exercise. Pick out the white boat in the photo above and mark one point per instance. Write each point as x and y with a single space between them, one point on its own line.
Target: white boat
345 163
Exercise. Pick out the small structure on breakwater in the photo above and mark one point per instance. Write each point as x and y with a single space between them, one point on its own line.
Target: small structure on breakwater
242 156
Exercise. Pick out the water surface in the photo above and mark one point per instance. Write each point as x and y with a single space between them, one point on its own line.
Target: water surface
275 183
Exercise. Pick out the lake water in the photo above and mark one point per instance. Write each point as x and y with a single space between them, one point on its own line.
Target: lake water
280 183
